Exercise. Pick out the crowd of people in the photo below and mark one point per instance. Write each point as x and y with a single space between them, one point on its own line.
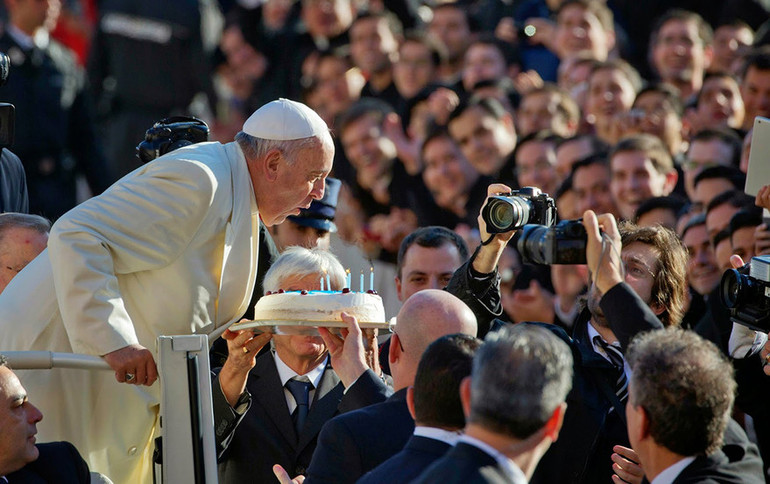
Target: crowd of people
357 135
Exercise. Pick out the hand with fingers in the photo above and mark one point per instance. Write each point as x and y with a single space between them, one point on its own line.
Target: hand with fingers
492 245
283 476
133 364
347 352
242 349
626 467
603 250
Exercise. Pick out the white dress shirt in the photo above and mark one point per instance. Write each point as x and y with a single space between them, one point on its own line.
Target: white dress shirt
598 349
671 472
446 436
285 374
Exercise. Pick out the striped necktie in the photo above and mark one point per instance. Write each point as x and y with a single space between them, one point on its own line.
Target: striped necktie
300 390
616 358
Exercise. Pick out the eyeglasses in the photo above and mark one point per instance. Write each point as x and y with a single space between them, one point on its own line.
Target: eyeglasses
636 269
690 165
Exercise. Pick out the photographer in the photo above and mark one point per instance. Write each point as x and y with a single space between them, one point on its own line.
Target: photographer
638 283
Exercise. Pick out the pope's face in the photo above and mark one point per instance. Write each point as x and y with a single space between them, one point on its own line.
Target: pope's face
300 178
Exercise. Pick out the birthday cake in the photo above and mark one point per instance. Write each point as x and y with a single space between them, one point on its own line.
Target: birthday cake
317 307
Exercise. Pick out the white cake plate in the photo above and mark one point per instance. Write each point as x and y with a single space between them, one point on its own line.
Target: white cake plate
301 327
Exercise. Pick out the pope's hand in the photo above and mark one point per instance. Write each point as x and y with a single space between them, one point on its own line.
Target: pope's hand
133 364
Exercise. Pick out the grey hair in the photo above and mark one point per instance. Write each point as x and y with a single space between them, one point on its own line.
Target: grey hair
3 360
686 386
255 148
11 220
520 375
298 261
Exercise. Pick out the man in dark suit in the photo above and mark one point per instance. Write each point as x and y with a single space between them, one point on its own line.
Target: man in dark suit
353 443
514 403
639 283
680 398
21 461
434 402
257 413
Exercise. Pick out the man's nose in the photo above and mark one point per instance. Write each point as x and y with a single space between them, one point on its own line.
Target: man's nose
318 189
34 415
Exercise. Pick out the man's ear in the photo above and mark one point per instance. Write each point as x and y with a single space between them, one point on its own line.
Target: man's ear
465 396
394 352
671 178
657 308
272 164
410 401
554 423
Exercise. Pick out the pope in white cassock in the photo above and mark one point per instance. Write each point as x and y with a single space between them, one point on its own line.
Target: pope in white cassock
169 249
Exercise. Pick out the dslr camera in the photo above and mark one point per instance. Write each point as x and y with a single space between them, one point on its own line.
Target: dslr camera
170 134
7 110
564 243
746 293
504 213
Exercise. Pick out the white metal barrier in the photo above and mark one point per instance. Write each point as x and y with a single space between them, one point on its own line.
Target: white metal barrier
188 448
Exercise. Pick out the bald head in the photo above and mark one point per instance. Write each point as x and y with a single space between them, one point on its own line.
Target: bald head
425 317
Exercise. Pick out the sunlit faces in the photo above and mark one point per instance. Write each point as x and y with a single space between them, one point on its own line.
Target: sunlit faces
702 271
640 262
663 216
707 189
729 40
485 140
742 242
18 419
718 218
755 91
659 119
535 162
592 189
570 152
720 104
483 62
426 268
579 30
338 85
448 175
367 148
539 111
20 246
372 44
701 155
610 92
450 26
414 68
679 55
327 18
722 253
635 179
297 181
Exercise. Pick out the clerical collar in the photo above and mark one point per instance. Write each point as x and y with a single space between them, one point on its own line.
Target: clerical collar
285 373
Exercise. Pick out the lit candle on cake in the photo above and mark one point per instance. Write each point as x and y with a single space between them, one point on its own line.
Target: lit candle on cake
322 283
371 278
347 278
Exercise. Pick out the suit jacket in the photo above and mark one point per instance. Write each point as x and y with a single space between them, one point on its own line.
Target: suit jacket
595 420
356 442
419 453
58 462
265 435
465 464
169 249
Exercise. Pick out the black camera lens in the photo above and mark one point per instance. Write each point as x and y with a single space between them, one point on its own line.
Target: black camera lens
733 288
532 244
503 214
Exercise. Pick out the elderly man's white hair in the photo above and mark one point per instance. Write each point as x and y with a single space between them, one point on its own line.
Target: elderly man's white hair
298 261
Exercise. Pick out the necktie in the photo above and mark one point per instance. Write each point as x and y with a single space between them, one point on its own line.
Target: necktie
616 358
300 390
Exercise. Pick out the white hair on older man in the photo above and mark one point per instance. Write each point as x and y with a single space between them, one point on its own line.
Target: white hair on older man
298 261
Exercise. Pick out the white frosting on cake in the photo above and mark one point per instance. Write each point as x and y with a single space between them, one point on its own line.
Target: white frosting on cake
319 306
